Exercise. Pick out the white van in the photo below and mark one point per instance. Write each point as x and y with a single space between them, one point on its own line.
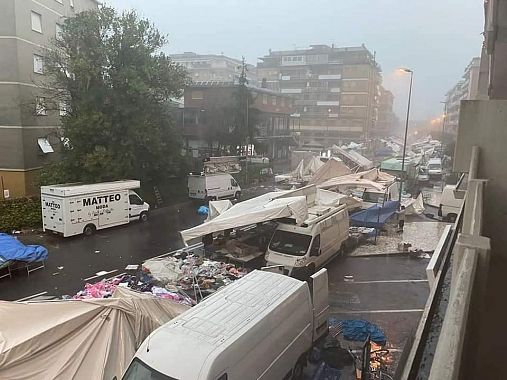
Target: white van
310 246
451 202
435 167
260 327
73 209
213 186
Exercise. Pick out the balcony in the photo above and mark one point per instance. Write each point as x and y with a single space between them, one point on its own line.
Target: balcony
441 346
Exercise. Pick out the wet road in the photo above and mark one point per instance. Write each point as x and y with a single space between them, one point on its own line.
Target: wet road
109 250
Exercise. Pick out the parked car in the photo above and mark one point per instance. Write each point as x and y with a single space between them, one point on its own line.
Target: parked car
435 169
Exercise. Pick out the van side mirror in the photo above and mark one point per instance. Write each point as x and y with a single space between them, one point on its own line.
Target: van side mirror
315 252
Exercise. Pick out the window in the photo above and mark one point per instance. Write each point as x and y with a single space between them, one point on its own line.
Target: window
135 200
62 106
36 22
38 64
40 106
140 371
58 32
273 100
264 99
233 182
44 145
290 243
315 248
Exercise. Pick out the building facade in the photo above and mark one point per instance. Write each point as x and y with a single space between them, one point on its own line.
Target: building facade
387 123
207 106
213 67
26 126
336 90
466 89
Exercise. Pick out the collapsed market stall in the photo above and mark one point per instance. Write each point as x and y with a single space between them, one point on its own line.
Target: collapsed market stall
78 339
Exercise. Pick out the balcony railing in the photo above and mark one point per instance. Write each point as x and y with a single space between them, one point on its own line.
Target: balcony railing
457 277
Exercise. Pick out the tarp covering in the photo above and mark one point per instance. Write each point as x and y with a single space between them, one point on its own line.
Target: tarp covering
359 330
12 249
78 339
372 179
256 210
331 169
375 216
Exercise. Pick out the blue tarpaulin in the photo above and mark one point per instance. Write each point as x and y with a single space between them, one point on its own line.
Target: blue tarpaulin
358 330
12 249
203 210
375 216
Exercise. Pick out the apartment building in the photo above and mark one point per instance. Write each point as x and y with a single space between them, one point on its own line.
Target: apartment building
214 68
387 122
336 90
27 128
207 108
465 89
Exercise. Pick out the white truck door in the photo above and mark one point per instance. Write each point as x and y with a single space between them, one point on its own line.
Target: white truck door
320 298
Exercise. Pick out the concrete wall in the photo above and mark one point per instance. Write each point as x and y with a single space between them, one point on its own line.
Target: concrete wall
484 123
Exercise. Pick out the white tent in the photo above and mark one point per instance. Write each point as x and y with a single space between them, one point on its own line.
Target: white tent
260 209
371 179
78 339
331 169
314 165
216 208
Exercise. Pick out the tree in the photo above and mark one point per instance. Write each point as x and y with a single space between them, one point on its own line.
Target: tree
115 83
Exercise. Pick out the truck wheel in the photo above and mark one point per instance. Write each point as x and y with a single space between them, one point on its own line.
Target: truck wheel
297 372
143 217
89 230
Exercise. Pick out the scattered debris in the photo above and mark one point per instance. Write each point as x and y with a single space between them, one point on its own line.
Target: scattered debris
348 278
97 251
59 268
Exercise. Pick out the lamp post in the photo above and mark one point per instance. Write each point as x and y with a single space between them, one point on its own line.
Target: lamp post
406 131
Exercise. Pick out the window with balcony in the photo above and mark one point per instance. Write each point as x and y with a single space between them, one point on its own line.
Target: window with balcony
36 19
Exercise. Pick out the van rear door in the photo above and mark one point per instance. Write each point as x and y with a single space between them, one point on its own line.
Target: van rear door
320 298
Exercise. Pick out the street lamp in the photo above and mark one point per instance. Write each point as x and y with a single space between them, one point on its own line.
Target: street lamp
406 130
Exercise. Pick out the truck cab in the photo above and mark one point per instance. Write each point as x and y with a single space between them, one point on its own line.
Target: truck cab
138 209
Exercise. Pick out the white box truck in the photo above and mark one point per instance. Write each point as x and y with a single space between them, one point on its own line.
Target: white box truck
260 327
302 250
213 186
73 209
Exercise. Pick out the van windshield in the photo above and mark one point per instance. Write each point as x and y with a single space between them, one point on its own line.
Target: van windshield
140 371
290 243
434 166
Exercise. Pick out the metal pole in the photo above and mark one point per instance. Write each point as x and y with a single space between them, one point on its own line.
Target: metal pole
405 140
247 136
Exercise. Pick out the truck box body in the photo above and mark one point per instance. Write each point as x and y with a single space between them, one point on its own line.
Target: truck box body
259 327
68 209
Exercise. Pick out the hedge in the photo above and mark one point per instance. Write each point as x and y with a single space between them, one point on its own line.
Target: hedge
20 213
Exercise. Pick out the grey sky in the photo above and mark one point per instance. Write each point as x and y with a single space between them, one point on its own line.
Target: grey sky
436 38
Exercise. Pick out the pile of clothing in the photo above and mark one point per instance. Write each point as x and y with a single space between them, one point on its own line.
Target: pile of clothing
183 279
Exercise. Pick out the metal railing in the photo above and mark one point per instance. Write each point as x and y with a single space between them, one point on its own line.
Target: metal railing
466 260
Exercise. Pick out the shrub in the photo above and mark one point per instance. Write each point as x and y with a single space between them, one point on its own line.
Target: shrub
20 213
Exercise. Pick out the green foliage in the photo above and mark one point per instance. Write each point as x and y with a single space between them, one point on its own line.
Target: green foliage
20 213
115 82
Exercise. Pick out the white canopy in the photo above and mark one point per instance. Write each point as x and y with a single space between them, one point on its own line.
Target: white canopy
331 169
218 207
313 165
78 339
371 179
260 209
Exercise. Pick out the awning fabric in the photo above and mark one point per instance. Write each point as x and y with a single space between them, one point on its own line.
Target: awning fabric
372 179
78 339
218 207
331 169
260 209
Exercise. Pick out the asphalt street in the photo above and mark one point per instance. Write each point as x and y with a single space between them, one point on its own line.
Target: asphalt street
109 250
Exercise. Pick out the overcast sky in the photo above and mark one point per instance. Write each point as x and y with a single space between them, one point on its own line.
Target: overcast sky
435 38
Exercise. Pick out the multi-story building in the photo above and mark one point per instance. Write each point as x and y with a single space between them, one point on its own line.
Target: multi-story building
465 89
336 90
387 122
212 67
26 126
207 108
